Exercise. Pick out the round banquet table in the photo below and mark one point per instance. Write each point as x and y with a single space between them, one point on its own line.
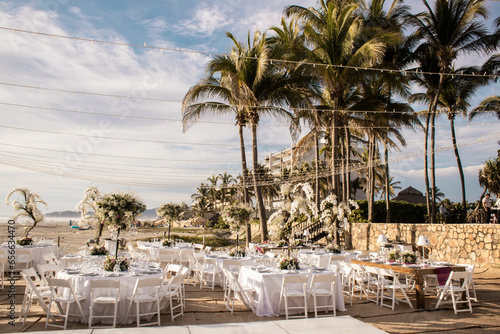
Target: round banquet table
36 252
267 283
81 283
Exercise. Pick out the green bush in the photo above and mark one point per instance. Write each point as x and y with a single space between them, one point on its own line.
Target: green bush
401 212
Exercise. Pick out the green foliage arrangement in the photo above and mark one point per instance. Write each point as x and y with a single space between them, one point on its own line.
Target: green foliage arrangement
98 250
110 263
119 209
289 261
24 241
332 248
409 257
167 243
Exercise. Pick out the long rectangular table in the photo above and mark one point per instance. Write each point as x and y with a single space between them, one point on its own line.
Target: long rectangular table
417 271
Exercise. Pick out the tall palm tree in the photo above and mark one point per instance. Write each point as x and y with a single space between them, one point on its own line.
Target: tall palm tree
490 105
454 100
260 88
332 32
192 110
449 29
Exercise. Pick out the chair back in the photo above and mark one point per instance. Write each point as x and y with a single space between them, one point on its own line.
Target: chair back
31 273
47 270
23 255
294 279
109 285
50 258
32 289
323 278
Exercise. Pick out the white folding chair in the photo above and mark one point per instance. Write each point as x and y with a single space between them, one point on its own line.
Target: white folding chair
194 269
234 288
390 282
23 257
62 250
184 255
47 270
146 290
173 289
62 293
34 292
373 283
172 269
358 280
323 286
294 286
208 273
104 292
472 288
456 286
50 258
233 266
345 272
166 256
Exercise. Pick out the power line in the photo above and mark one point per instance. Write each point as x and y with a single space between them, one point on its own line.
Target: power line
122 156
213 54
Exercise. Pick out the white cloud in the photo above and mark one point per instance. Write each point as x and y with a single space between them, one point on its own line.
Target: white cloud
205 20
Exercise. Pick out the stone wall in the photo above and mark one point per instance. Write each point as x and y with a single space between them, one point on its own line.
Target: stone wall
457 243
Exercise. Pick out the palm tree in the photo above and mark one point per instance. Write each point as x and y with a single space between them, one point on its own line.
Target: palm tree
332 32
454 99
259 88
490 105
192 110
450 29
226 179
393 185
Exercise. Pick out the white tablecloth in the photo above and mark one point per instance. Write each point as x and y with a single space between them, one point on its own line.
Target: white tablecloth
154 249
81 284
36 252
268 289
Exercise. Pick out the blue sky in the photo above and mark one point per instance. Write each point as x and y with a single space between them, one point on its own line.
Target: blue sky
50 143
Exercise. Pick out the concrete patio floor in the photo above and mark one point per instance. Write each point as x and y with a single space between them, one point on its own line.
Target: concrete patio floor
205 307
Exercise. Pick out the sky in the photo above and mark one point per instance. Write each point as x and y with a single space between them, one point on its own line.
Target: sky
77 113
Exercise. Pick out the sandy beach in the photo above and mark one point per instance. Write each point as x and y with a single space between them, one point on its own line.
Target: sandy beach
61 231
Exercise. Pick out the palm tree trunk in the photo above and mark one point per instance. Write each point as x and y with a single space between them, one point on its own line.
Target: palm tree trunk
426 162
348 161
433 144
257 187
387 193
335 148
316 157
369 180
457 156
372 180
246 198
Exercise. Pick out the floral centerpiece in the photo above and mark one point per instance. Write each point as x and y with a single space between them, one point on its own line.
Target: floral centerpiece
282 243
110 263
298 243
409 257
24 241
167 243
237 252
291 262
98 250
394 255
332 248
116 210
26 206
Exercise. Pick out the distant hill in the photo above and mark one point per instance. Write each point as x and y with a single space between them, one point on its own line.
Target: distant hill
148 214
63 214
